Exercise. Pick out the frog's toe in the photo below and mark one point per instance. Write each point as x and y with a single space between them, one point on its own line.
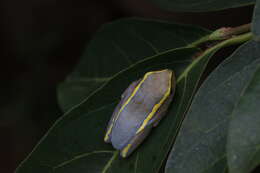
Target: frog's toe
107 138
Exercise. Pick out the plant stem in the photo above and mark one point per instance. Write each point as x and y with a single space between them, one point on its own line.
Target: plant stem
232 41
239 30
222 34
227 32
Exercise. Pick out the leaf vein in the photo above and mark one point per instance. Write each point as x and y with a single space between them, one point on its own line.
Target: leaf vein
80 156
109 163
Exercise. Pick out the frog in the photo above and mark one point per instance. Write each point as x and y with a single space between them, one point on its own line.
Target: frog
142 106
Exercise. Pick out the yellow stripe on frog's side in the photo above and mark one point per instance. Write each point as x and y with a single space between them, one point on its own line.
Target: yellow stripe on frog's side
157 106
128 100
150 116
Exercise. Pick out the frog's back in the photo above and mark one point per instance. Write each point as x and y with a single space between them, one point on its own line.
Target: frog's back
149 92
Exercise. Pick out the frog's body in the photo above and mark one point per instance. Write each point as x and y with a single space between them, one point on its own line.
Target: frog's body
142 106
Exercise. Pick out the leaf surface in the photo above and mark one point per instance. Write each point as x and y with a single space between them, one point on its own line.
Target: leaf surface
256 21
75 143
119 45
200 146
74 90
243 147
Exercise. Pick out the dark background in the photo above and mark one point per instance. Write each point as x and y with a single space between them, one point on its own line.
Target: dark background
41 41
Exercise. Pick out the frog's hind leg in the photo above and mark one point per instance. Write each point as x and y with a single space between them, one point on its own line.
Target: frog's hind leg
163 109
161 112
135 142
140 136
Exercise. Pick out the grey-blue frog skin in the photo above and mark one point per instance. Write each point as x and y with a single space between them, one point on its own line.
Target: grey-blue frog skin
142 106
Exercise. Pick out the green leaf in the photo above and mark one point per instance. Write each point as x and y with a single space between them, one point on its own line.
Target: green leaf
75 143
200 146
122 43
201 5
74 90
256 21
119 45
243 146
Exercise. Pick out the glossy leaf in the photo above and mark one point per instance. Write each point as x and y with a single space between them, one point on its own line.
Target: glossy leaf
119 45
256 21
243 147
201 5
122 43
74 90
75 143
200 146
